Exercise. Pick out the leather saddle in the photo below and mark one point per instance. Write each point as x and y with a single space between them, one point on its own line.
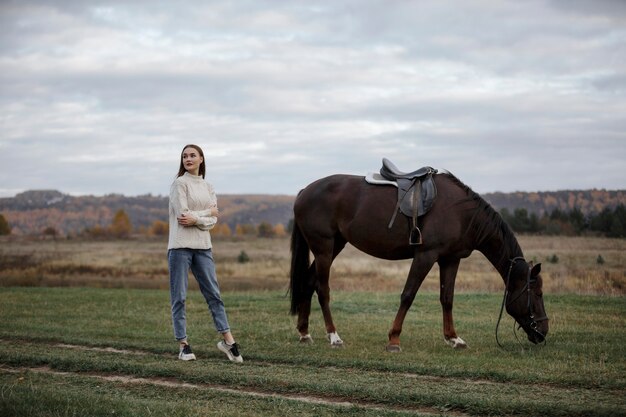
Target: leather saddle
416 194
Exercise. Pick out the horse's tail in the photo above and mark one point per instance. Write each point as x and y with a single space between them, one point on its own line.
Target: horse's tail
299 283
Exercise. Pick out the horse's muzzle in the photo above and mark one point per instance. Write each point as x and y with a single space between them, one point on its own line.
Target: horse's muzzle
536 337
537 329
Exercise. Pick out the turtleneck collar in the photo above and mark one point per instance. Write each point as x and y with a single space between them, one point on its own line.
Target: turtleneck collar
193 177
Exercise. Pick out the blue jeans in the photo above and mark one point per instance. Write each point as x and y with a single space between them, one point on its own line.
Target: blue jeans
201 263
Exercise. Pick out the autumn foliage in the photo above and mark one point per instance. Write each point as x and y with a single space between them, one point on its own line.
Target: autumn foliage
120 227
52 214
5 229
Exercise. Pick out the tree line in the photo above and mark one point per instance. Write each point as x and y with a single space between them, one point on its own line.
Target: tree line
122 228
610 222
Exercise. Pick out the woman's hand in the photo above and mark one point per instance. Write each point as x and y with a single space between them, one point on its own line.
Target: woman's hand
215 211
187 220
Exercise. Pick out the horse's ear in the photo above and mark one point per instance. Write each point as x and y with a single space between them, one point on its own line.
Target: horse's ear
536 270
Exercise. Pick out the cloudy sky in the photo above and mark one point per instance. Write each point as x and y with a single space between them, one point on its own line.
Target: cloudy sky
99 97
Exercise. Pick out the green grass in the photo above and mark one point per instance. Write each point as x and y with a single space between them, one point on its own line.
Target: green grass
580 371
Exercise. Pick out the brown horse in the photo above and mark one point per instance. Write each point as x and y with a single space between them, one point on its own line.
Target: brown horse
344 208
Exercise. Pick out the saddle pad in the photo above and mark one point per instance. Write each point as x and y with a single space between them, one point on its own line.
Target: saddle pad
376 179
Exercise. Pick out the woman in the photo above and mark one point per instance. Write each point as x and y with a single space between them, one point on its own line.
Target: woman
192 212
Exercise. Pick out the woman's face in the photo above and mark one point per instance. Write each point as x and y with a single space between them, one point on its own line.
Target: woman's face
192 160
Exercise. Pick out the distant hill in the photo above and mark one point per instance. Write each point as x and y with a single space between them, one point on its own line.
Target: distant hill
540 203
31 212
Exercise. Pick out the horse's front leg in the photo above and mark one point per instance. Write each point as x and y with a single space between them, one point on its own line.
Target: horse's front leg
422 263
447 277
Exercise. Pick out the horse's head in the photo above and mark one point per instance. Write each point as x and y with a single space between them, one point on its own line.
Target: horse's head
524 301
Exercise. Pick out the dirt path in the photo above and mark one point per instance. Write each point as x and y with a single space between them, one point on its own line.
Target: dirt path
174 383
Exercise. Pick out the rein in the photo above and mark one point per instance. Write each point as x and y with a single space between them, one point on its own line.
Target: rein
533 320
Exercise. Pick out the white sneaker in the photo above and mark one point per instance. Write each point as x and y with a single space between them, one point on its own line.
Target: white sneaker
186 354
232 351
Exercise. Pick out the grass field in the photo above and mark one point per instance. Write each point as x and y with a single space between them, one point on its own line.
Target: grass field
85 331
86 351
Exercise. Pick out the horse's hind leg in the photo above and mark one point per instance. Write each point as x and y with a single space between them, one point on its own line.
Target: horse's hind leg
324 255
304 309
447 276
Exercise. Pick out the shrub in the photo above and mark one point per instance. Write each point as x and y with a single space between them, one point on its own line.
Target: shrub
159 228
553 259
266 230
50 231
243 257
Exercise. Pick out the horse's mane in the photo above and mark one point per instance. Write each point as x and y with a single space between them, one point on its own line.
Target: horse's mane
486 222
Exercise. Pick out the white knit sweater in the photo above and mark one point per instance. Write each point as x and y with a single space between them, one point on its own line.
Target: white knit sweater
192 195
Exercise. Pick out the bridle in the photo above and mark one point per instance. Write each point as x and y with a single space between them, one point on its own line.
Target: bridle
533 320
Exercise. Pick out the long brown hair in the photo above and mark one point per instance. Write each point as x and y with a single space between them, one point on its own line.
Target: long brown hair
182 170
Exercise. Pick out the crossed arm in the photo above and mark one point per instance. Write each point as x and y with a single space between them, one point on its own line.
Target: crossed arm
202 219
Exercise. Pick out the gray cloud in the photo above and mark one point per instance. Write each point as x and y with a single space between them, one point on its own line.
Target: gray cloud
101 97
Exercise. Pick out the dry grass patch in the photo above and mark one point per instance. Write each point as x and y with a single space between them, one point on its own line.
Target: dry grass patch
570 265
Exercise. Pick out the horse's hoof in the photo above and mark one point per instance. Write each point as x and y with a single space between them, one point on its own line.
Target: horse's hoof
393 348
456 343
306 339
335 340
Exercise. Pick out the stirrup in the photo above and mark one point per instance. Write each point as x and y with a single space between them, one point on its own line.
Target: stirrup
416 237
